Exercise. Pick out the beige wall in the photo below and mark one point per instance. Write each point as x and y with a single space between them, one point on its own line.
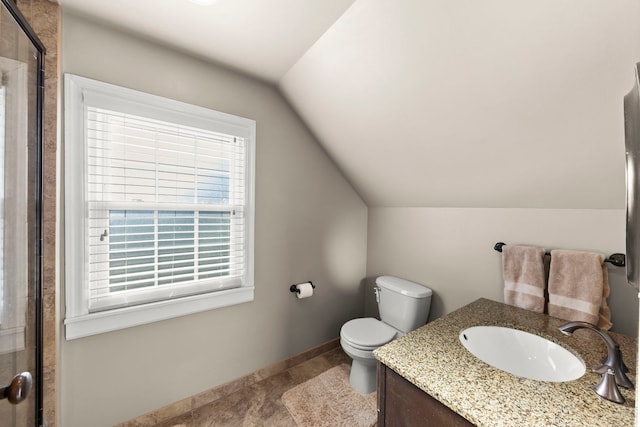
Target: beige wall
451 250
310 225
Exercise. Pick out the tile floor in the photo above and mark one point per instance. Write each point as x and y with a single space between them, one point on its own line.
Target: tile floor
259 404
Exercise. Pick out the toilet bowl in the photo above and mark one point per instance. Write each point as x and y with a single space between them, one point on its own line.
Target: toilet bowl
358 338
404 306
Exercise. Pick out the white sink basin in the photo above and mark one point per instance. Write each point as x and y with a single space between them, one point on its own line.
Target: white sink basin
522 354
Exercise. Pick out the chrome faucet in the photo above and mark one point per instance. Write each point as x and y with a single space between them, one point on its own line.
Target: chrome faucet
612 368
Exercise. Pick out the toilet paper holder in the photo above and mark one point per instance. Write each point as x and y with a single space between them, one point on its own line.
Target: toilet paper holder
294 288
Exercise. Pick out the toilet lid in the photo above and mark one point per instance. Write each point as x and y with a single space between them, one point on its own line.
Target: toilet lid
367 332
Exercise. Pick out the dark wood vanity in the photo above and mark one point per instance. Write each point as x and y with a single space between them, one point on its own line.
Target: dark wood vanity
402 404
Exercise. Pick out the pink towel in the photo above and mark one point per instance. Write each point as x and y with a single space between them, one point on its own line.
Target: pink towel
579 287
524 281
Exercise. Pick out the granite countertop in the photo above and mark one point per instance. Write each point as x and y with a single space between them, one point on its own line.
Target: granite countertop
433 359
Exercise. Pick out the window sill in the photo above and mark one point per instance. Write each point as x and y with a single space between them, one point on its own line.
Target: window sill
113 320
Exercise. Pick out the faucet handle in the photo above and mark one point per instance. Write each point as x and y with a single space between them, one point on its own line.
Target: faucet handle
601 369
622 379
622 365
618 373
607 388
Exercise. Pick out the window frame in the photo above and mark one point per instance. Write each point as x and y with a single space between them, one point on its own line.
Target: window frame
81 92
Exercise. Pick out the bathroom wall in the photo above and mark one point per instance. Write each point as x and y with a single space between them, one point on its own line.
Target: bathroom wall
310 225
484 107
451 250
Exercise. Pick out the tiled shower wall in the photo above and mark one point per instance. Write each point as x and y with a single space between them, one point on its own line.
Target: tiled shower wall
44 18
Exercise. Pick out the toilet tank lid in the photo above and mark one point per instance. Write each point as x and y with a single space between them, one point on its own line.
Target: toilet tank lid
404 287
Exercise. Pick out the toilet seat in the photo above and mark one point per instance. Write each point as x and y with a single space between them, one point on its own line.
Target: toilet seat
367 333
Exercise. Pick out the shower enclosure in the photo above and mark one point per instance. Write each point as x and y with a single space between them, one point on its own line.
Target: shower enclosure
21 90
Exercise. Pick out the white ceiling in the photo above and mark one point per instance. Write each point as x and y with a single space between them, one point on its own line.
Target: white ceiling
492 103
261 37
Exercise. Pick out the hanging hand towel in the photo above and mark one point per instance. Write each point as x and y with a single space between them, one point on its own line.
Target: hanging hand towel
523 271
604 316
579 287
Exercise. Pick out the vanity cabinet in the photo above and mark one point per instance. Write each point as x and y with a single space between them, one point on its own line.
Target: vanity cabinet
433 357
402 404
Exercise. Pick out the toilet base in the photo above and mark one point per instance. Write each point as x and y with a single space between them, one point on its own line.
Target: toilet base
363 376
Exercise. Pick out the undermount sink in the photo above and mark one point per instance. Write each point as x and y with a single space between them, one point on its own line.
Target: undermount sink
522 354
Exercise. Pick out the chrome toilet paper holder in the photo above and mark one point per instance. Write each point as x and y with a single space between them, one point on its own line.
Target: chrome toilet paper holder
294 288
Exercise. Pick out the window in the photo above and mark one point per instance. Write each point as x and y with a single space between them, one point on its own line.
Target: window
158 208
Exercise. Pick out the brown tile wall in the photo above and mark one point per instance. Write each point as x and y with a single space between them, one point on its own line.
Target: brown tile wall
44 18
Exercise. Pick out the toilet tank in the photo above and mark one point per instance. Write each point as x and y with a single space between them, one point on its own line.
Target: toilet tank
403 305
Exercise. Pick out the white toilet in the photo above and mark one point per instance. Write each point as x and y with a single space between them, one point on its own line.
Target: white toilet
404 306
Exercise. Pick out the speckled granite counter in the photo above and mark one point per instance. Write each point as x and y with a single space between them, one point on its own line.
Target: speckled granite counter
433 359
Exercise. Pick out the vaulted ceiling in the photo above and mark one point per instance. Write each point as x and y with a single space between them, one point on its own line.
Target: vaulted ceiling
491 103
263 38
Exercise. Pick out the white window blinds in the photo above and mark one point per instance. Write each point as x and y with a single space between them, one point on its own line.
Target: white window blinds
158 206
165 207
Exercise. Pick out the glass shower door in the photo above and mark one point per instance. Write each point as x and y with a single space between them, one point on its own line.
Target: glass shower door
20 200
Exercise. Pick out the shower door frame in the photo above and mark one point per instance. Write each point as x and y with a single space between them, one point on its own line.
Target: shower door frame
37 193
